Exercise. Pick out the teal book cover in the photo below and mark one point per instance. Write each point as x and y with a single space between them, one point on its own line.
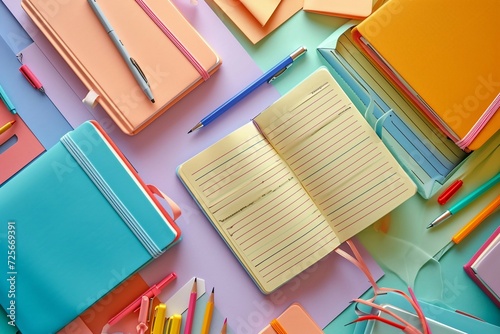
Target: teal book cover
76 222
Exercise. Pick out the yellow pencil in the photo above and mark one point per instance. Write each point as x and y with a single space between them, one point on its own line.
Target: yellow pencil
464 231
7 126
224 327
207 319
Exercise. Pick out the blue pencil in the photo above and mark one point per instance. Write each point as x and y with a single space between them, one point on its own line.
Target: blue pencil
269 76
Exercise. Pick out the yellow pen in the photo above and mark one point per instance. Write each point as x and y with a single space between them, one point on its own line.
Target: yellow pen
159 319
174 324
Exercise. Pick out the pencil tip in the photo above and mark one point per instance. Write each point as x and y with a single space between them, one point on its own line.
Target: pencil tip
153 100
190 131
213 290
195 279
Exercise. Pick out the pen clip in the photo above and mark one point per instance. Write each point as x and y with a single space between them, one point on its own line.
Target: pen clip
132 60
280 72
150 311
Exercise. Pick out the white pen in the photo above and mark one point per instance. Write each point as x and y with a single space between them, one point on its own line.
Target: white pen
131 63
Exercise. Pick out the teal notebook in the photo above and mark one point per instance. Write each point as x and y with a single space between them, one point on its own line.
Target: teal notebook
76 223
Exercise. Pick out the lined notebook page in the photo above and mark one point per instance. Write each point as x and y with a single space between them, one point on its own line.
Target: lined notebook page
259 207
336 155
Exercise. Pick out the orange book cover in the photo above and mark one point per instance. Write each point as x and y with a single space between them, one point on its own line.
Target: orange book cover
76 33
443 55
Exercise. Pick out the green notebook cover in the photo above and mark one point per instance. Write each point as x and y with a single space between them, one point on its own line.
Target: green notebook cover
77 222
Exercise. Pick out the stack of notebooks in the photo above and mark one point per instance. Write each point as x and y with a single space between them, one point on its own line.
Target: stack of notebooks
446 65
174 63
78 221
429 155
289 187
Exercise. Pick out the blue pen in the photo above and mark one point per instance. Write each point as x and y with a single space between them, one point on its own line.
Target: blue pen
7 101
466 200
269 76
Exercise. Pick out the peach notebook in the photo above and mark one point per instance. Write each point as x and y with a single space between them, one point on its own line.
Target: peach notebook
294 320
444 56
76 33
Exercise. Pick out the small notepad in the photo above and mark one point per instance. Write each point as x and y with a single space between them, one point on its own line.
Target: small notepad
354 9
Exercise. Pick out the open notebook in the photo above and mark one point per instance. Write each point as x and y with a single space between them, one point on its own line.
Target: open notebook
288 188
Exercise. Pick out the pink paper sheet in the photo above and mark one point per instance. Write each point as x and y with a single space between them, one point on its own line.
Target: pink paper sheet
324 289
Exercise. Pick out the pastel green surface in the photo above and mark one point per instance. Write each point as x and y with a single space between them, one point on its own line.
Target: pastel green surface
444 280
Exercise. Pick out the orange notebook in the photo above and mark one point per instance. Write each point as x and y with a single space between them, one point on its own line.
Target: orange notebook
294 320
444 56
76 33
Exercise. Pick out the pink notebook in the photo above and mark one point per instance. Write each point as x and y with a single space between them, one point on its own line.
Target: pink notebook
484 266
294 320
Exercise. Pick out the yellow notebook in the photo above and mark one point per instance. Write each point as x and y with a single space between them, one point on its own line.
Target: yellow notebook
288 188
444 55
76 33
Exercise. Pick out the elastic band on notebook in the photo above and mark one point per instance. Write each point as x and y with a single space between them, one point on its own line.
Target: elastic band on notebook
204 73
276 326
480 124
109 194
